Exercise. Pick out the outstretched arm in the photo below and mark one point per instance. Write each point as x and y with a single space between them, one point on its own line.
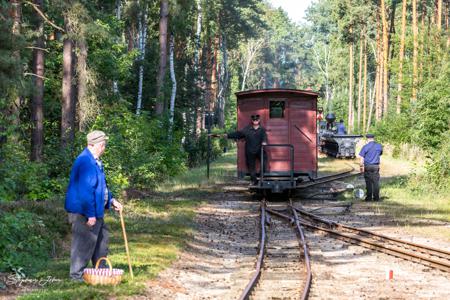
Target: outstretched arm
237 135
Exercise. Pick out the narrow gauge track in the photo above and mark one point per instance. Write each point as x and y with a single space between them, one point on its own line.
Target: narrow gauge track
328 178
428 256
279 271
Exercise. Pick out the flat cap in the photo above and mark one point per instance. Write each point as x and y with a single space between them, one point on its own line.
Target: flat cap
96 136
370 135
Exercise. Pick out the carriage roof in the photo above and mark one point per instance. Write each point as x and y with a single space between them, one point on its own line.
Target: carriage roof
278 91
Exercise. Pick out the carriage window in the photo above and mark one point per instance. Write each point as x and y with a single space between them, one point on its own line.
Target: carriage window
277 109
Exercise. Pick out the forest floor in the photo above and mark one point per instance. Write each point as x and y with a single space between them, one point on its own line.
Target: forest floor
194 239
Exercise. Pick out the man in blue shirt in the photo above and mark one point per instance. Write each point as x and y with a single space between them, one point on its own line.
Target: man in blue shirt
86 199
341 127
370 164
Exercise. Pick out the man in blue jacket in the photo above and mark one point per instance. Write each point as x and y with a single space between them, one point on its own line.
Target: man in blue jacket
341 127
86 199
370 165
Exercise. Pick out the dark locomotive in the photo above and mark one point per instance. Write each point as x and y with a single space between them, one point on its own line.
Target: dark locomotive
333 144
289 117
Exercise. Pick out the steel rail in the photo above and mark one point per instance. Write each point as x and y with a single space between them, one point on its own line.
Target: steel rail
254 280
328 178
354 239
305 293
295 221
421 248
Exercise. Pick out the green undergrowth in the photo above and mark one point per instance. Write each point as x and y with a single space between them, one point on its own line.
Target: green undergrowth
407 196
410 198
158 226
221 171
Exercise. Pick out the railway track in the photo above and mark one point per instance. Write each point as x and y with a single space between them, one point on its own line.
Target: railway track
328 178
428 256
283 267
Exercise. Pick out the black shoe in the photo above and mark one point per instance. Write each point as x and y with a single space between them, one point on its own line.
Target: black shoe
377 200
368 199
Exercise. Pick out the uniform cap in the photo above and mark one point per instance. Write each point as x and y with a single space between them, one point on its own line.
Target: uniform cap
96 137
370 135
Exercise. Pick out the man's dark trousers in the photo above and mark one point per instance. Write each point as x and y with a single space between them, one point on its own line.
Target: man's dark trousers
372 177
251 158
88 244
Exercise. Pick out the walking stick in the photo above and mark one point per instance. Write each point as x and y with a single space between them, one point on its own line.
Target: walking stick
126 243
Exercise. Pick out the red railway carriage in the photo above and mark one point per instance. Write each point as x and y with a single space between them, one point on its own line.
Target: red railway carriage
289 117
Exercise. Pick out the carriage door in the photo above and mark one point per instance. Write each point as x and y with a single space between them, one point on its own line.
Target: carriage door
303 134
277 125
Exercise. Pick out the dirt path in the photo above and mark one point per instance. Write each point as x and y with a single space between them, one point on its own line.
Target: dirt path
220 259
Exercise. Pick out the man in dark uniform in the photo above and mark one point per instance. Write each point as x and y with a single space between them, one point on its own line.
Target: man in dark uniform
255 136
370 164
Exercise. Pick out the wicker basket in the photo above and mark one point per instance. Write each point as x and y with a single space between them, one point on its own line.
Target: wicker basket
96 276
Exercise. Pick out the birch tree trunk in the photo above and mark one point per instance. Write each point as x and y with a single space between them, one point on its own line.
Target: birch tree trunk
163 27
361 44
198 108
197 35
350 88
174 86
365 85
16 14
385 47
415 51
401 56
379 71
371 104
223 82
37 98
118 9
118 17
253 49
142 32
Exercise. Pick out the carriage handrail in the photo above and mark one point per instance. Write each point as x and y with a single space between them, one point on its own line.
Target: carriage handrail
291 150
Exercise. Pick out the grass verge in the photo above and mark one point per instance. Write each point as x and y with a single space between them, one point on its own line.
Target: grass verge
404 201
407 199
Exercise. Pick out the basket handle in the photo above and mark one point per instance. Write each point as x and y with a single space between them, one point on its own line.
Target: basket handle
107 261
